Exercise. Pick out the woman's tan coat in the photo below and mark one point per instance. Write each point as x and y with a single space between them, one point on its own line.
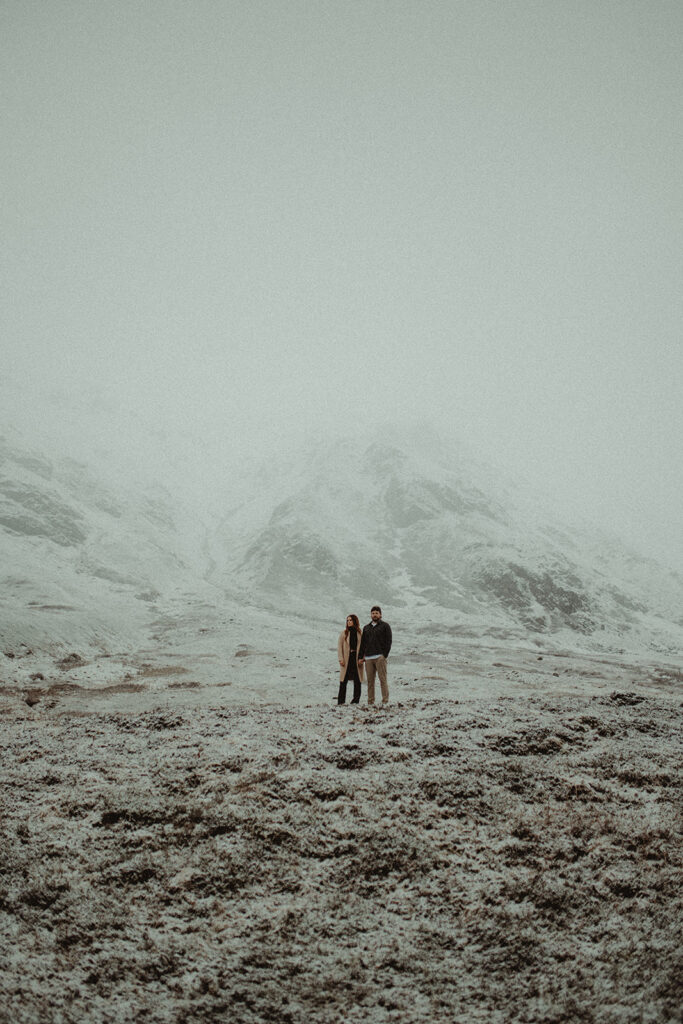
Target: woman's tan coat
343 651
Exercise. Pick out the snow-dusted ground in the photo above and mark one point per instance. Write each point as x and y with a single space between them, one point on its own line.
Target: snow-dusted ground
201 654
197 833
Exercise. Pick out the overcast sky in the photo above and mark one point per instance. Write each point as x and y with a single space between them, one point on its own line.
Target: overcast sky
244 217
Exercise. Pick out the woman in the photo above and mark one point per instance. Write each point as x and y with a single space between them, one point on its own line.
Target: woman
347 652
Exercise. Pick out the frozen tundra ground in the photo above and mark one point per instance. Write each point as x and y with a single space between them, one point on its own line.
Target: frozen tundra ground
502 858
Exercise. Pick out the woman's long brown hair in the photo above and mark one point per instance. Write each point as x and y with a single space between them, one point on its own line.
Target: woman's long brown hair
356 623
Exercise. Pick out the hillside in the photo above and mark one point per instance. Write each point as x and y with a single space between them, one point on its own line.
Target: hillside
105 557
87 560
418 528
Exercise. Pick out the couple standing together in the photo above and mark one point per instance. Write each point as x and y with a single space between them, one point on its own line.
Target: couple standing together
365 651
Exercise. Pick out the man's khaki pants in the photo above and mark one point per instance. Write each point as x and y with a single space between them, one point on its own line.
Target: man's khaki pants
379 666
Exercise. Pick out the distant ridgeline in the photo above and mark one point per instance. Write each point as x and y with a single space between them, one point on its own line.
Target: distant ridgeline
440 539
428 534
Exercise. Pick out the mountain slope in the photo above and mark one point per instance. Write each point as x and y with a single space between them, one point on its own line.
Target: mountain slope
417 527
89 557
83 562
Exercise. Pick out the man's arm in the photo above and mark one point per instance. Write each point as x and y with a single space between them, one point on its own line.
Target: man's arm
361 649
387 639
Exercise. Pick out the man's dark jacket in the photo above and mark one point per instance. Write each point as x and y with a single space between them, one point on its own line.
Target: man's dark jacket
375 640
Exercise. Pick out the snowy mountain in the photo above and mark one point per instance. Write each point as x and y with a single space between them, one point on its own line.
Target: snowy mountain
83 560
91 557
425 531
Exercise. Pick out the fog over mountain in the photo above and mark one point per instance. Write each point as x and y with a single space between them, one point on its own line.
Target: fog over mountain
102 548
410 522
236 222
81 558
338 221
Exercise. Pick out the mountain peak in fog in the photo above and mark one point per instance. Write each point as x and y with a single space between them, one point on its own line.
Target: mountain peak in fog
408 519
402 517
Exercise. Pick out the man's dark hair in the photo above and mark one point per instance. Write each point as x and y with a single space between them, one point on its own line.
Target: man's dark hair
376 608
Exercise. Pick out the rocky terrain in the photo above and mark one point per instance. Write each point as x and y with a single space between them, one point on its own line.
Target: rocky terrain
511 858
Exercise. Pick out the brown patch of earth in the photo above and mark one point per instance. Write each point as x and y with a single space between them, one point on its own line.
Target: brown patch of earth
154 671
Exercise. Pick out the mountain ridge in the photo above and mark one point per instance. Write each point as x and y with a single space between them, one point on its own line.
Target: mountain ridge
411 522
437 537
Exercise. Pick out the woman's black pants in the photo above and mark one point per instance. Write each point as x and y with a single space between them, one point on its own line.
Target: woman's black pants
350 676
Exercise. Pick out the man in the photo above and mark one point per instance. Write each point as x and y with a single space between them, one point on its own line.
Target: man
374 650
